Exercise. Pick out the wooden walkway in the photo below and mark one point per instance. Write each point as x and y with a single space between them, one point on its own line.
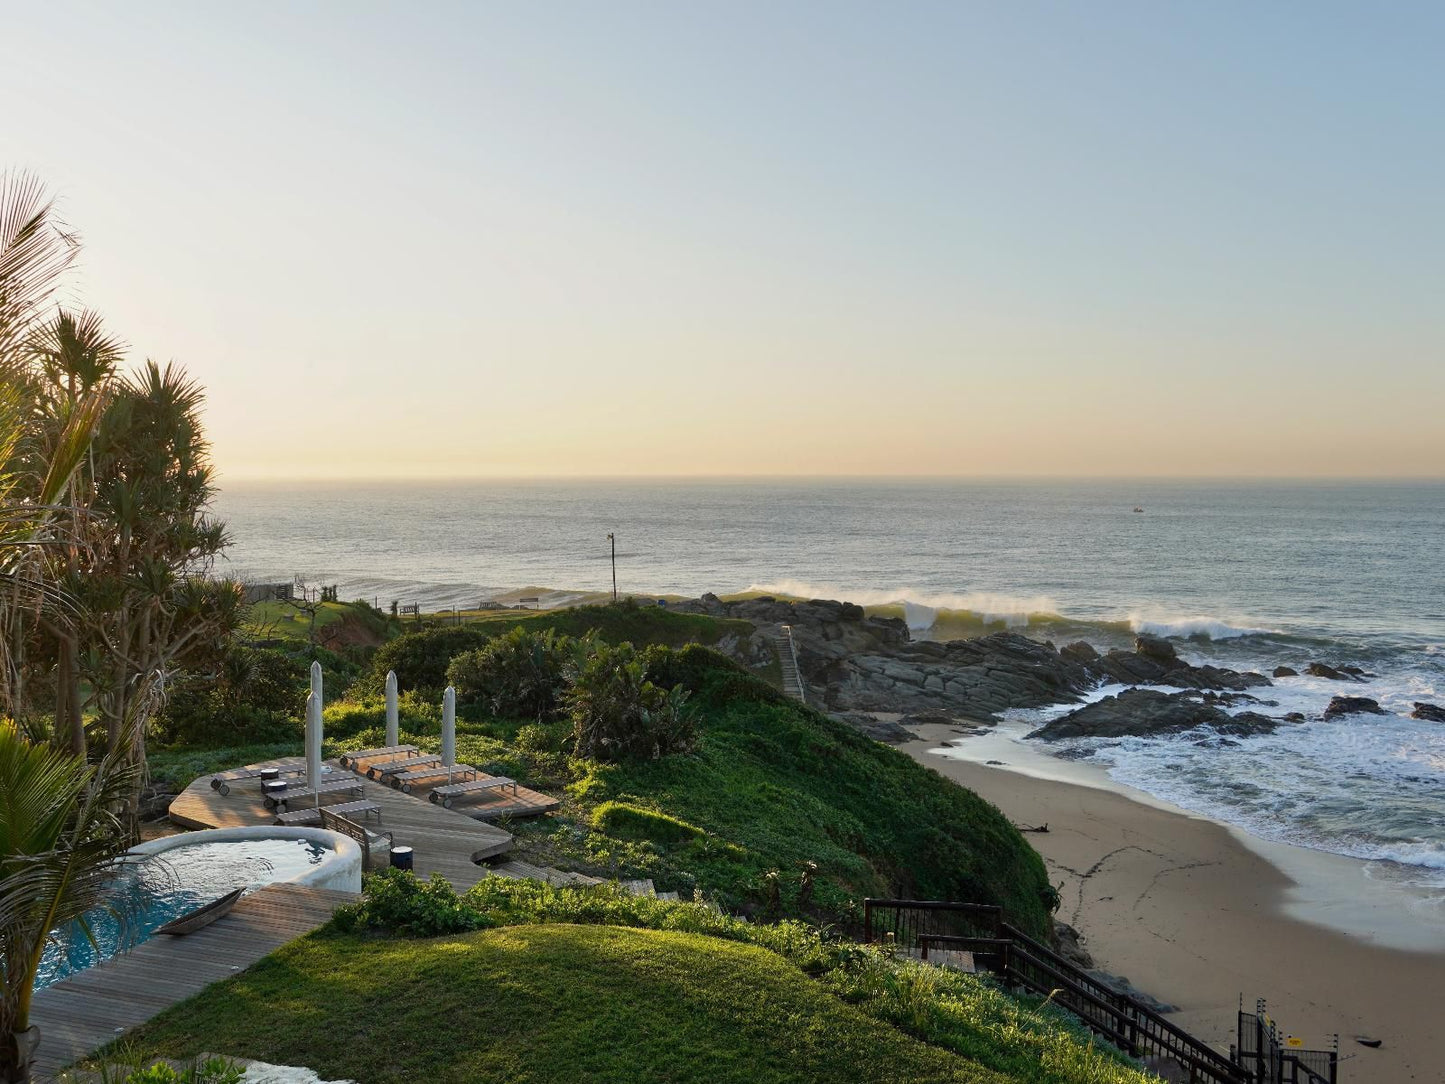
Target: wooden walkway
445 841
79 1015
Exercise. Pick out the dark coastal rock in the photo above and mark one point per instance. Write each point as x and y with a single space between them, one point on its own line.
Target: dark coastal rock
1070 945
1285 671
1324 670
1121 985
1156 648
1142 712
856 663
1353 705
1433 713
885 730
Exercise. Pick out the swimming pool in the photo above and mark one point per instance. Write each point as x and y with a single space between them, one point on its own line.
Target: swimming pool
168 877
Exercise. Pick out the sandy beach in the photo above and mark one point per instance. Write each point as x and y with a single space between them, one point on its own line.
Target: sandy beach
1188 913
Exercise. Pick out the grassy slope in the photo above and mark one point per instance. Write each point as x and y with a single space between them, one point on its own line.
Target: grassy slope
546 1003
776 785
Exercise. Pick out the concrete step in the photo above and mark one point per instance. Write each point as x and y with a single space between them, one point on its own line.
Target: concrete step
643 887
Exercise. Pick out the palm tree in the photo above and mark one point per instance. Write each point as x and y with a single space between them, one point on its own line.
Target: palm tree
60 841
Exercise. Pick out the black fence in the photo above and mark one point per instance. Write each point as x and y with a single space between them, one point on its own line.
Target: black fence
1268 1059
1020 961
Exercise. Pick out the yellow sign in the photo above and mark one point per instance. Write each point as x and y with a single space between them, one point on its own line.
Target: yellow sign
1290 1040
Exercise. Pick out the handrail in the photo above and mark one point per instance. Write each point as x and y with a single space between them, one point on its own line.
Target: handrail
1023 961
797 670
1205 1054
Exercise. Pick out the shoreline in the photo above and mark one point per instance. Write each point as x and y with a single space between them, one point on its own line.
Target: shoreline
1192 914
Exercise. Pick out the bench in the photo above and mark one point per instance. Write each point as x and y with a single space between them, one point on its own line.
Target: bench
335 822
314 814
383 771
336 786
445 794
402 781
389 752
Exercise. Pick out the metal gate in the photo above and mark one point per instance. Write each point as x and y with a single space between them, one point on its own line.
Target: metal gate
1268 1059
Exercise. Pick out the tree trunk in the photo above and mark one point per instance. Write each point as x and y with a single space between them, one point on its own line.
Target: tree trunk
69 723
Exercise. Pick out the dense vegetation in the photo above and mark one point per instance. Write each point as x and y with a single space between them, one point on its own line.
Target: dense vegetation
623 989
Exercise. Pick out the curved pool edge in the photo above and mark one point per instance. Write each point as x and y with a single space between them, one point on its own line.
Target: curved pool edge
340 871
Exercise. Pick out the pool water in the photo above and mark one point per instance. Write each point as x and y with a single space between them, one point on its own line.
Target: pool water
164 886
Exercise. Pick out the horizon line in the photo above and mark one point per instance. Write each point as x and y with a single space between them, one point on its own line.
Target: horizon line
323 479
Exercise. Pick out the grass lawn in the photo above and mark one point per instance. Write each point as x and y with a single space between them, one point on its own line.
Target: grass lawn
546 1003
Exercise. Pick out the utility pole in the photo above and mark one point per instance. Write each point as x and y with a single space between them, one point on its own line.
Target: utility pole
612 538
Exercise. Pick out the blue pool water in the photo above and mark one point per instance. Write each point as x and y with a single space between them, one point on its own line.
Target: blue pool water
158 888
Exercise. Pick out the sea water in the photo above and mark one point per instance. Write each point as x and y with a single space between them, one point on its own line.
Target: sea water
1250 575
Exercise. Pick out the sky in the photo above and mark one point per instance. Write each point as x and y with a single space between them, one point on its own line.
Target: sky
1013 238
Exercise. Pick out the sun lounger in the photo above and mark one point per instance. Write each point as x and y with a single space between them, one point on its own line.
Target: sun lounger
312 815
447 793
390 752
405 780
222 780
336 786
384 771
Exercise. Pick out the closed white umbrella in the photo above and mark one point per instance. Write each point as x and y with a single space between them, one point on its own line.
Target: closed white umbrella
449 730
392 728
313 743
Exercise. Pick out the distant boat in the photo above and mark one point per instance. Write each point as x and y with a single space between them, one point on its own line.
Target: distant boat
1138 509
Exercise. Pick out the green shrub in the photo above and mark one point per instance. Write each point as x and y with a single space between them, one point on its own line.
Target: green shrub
397 902
253 695
617 714
420 660
520 675
623 821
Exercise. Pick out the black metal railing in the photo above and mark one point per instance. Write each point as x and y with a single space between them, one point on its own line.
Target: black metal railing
1021 961
906 921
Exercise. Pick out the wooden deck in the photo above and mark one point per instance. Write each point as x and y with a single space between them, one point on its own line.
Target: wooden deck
81 1014
445 841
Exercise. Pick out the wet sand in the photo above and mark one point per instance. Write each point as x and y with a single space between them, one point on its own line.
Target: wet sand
1190 914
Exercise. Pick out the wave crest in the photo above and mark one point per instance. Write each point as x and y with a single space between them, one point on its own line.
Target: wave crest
1197 627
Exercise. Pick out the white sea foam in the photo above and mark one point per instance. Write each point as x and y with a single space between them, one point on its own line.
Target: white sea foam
1201 626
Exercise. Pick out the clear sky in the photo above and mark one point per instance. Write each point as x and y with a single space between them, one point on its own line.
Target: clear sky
677 238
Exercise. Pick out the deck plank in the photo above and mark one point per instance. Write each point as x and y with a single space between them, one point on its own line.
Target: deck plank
80 1014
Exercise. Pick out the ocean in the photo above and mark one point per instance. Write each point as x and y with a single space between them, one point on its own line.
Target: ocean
1250 575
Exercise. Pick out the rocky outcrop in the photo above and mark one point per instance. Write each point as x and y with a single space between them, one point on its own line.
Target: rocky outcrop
1353 705
1333 673
1144 712
1433 713
853 663
1154 662
1285 671
878 729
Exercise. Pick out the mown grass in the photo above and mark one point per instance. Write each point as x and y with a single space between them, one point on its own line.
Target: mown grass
598 984
546 1003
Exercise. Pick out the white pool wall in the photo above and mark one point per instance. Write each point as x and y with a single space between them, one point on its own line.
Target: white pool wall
340 870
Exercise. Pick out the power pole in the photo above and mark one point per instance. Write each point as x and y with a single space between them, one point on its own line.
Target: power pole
612 538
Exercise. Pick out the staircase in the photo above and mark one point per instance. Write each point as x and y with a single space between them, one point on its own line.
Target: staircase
788 658
978 935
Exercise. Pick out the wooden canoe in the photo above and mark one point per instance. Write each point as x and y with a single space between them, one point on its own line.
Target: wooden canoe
202 916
